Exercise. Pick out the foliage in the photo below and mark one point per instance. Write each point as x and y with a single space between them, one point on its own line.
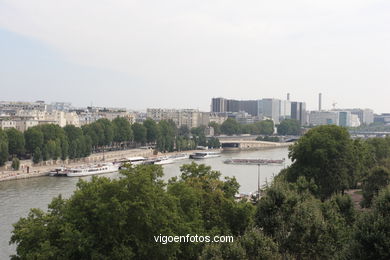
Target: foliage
3 147
216 127
230 127
118 218
16 142
37 155
122 130
324 154
166 137
371 237
198 135
139 133
379 178
15 164
254 244
151 130
289 127
268 138
34 139
213 143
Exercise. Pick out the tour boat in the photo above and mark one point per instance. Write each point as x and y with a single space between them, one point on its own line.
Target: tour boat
178 157
92 170
204 155
60 171
162 160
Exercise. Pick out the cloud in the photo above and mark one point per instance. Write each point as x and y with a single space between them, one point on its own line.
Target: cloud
215 46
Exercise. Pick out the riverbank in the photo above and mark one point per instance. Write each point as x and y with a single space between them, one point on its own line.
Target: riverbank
30 170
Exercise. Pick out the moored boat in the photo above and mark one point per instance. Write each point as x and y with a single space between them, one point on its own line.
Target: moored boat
92 170
205 155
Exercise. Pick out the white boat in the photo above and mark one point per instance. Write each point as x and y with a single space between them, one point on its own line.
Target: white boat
136 160
178 157
92 170
162 161
60 171
204 155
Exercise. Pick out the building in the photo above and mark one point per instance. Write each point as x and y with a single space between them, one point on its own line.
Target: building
317 118
382 118
270 108
218 105
366 116
345 118
298 112
189 117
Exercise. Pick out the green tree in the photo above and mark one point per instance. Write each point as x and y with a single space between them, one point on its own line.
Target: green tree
266 127
122 130
15 164
254 244
371 237
139 133
324 154
3 147
230 127
372 184
289 127
34 139
216 127
213 143
198 135
37 156
151 130
167 135
16 143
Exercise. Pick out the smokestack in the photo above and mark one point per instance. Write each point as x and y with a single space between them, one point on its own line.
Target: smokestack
288 96
319 102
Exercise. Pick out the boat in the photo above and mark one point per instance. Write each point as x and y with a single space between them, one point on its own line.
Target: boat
253 161
60 171
178 157
162 160
92 170
205 155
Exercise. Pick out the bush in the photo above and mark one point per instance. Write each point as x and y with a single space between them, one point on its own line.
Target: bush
15 164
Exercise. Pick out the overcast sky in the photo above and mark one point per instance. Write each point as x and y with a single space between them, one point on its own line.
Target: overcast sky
180 54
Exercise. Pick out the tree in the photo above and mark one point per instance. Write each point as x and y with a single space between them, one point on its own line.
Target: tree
230 127
184 131
371 237
216 127
213 143
3 147
289 127
266 127
37 156
34 139
199 136
324 154
302 226
372 184
16 142
254 244
151 130
166 136
122 130
15 164
139 133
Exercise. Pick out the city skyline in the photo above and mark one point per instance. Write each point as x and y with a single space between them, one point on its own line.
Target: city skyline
191 52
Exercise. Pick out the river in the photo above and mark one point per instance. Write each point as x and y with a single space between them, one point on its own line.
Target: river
18 196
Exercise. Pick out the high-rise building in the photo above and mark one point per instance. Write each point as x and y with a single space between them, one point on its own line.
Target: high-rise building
270 107
298 112
218 105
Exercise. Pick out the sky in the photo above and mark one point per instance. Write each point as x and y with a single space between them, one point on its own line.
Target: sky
180 54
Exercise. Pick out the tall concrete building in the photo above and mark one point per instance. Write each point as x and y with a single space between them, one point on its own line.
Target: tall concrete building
218 105
324 118
298 112
270 107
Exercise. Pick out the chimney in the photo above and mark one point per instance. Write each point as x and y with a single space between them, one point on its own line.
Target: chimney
288 96
319 101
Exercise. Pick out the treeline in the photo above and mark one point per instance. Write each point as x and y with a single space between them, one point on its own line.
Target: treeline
46 142
232 127
303 214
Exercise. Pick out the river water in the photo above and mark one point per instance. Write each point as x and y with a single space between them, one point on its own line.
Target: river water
18 196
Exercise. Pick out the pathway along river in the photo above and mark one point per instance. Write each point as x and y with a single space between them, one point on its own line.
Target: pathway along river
18 196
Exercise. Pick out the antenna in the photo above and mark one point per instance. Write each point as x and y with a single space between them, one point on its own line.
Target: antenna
334 104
